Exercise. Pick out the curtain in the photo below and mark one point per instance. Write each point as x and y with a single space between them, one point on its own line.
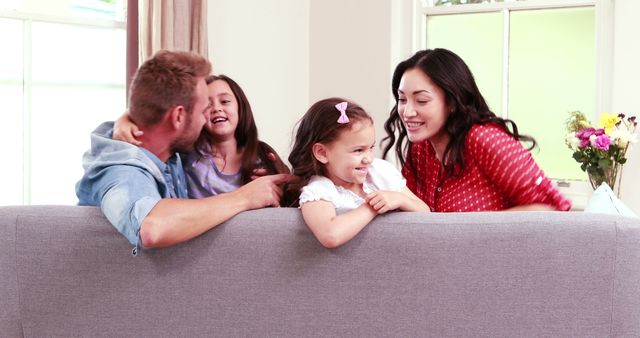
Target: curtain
173 25
132 43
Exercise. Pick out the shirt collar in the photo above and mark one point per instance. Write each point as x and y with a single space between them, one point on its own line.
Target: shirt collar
172 161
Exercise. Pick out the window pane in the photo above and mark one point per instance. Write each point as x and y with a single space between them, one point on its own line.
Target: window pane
70 78
62 119
552 62
11 56
476 38
103 9
11 138
85 55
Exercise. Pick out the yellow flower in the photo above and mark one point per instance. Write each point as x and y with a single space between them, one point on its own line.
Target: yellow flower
608 121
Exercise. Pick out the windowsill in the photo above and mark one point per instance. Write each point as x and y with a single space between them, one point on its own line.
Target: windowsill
578 191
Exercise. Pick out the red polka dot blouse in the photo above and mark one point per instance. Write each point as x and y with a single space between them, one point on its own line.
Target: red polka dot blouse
499 173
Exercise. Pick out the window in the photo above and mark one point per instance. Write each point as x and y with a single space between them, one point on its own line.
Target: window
62 72
534 61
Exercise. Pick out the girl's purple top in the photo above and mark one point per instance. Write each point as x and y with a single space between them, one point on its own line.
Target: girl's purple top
204 179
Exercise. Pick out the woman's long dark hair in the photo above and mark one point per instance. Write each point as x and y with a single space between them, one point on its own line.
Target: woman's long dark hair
318 125
246 135
449 72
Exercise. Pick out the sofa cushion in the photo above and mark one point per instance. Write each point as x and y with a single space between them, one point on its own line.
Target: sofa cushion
604 201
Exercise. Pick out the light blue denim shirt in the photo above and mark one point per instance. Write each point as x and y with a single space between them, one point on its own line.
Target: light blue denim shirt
127 181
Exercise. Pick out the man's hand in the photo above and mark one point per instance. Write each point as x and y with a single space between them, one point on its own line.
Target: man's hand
264 191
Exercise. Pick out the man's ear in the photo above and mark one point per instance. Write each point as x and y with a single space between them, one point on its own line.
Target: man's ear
177 116
320 152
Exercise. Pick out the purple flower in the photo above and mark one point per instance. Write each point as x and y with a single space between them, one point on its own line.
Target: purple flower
585 133
599 132
602 142
585 143
621 115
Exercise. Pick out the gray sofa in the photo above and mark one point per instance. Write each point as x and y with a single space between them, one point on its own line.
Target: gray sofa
65 271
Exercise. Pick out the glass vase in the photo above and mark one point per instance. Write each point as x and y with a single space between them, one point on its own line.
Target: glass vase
611 175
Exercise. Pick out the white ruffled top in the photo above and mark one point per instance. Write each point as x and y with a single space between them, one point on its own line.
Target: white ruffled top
382 175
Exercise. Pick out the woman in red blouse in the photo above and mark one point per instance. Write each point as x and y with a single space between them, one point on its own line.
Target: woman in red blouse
460 156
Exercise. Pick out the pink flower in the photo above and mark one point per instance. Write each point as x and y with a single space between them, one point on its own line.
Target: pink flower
602 142
585 133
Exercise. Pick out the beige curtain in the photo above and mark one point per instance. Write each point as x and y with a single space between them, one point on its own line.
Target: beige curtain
173 25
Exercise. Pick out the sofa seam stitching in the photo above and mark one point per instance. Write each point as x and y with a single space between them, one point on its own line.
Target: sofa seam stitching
613 279
15 255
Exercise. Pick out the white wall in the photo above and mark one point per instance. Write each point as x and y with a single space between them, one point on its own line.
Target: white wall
287 54
350 54
264 46
626 84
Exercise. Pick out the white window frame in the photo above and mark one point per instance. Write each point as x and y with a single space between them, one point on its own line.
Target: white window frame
603 44
27 21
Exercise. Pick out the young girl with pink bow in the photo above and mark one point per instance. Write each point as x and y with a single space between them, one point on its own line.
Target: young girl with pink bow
343 186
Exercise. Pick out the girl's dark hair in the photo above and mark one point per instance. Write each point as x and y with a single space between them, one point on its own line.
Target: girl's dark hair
449 72
318 125
246 135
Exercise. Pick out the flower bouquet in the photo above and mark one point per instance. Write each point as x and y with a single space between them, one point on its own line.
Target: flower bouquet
601 150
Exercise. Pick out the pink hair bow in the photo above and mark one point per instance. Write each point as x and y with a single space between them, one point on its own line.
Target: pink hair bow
342 108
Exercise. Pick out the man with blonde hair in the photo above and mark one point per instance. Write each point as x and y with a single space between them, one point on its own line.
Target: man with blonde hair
142 190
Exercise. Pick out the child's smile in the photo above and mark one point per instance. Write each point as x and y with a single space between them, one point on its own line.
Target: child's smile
350 155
